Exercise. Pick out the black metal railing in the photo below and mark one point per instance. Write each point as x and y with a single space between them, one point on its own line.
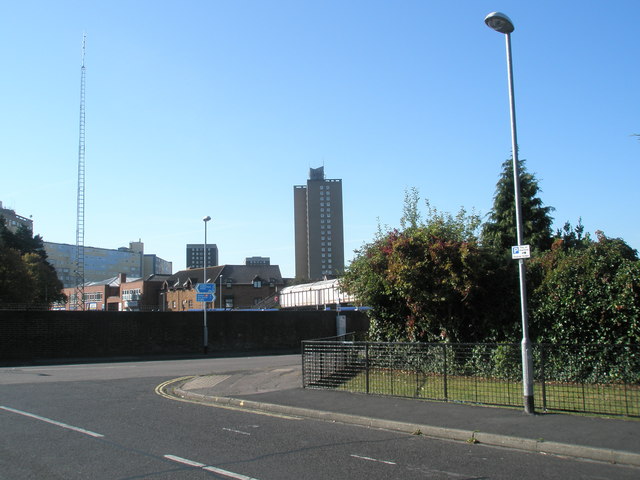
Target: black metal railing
600 379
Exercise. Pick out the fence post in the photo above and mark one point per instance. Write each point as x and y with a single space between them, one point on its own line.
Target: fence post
304 377
543 379
444 352
366 366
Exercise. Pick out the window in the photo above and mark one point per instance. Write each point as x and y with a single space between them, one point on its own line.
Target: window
257 283
257 300
228 302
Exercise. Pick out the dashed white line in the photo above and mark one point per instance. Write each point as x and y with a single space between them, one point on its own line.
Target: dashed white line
208 468
53 422
369 459
236 431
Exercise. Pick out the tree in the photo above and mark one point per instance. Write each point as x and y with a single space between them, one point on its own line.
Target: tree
499 232
572 237
589 294
15 282
26 277
424 282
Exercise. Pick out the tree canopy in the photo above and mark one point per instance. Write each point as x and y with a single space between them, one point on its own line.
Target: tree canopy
499 232
432 280
587 294
423 282
26 277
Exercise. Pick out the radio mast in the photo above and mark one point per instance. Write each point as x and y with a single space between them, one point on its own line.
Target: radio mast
79 292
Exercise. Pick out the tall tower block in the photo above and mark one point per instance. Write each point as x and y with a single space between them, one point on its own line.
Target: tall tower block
318 225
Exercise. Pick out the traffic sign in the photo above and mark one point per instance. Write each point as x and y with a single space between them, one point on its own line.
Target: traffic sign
206 288
520 251
205 297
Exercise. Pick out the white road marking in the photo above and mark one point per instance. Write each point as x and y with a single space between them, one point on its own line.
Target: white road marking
236 431
208 468
386 462
53 422
225 473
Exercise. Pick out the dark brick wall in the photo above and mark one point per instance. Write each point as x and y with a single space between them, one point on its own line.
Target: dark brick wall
33 335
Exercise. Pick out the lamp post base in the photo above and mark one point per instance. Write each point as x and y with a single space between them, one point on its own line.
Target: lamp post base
529 405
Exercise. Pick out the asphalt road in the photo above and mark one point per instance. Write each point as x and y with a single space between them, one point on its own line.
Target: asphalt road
107 422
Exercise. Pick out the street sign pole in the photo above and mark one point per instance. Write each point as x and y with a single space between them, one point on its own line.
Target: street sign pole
204 271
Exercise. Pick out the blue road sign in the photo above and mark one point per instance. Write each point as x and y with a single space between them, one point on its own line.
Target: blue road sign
206 288
205 297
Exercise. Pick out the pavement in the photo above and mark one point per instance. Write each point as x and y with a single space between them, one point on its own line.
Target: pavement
279 391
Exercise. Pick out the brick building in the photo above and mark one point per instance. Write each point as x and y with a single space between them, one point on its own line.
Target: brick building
119 294
237 287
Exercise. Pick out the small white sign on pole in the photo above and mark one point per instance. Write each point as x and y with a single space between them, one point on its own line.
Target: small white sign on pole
520 251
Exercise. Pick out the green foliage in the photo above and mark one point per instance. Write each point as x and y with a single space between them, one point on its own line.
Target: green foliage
587 295
499 232
424 282
26 277
15 281
433 280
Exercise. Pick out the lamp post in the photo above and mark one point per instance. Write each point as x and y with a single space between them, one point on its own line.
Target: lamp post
220 292
503 24
204 257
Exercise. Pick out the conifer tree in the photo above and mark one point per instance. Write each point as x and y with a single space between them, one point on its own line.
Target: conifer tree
499 232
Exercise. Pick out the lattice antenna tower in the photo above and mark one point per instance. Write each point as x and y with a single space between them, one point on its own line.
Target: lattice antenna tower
79 293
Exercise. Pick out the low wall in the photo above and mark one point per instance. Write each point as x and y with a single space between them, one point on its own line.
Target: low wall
34 335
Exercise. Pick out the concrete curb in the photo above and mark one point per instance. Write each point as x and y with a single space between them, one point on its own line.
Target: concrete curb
469 436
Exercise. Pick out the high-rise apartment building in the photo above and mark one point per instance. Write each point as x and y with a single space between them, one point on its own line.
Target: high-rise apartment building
195 255
319 233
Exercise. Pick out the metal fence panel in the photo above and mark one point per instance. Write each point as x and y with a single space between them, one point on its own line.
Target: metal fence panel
602 379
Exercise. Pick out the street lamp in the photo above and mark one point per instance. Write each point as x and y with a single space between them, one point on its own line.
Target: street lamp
204 257
503 24
220 292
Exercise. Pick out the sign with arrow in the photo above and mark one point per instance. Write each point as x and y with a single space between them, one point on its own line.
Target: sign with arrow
205 297
206 288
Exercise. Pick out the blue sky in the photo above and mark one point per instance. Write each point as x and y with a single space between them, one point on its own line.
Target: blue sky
219 108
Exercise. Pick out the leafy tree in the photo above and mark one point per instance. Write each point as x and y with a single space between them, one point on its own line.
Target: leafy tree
424 282
47 288
589 294
499 232
572 237
25 274
15 281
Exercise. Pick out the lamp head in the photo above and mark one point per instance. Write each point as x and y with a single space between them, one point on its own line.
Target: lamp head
499 22
206 219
